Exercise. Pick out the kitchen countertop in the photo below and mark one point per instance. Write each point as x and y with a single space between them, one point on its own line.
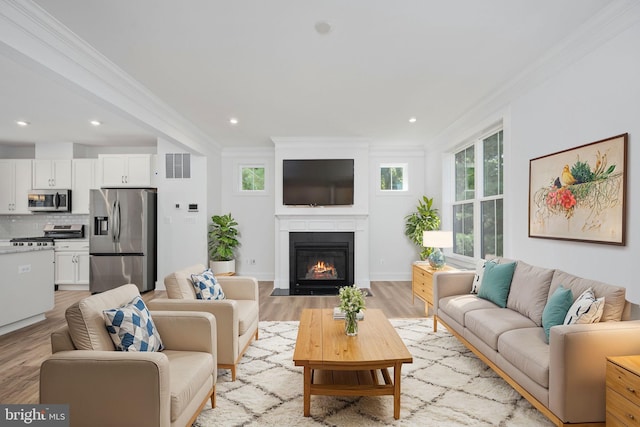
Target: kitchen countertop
20 249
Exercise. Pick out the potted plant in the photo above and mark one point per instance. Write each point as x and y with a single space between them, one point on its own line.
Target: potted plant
223 239
426 218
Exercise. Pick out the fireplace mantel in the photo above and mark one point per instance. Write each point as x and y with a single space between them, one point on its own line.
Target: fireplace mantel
358 224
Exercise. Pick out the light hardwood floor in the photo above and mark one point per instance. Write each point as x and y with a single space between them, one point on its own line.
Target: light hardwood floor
22 351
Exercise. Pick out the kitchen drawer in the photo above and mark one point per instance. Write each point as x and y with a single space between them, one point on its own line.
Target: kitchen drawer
71 245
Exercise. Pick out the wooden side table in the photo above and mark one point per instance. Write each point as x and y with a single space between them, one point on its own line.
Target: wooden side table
422 287
623 391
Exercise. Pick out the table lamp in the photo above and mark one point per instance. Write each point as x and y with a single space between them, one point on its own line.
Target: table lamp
436 240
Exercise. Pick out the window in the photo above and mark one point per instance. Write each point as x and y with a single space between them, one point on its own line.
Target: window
252 178
478 202
393 177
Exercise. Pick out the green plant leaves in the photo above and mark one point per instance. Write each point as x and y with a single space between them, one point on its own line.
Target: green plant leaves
223 237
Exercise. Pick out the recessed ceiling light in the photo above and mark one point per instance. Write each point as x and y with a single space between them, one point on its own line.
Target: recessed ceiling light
233 121
322 27
95 122
22 123
412 119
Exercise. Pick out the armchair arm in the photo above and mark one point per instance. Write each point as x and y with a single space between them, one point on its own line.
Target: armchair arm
101 386
448 283
187 330
226 321
577 366
239 287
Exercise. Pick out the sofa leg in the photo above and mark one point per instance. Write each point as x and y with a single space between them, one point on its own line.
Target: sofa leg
233 373
256 334
213 397
435 323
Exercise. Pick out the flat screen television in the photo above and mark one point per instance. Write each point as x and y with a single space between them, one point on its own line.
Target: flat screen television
317 182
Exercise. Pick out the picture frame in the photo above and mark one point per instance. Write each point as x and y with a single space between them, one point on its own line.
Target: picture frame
579 194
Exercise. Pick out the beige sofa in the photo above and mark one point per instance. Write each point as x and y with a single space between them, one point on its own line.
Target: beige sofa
237 315
104 387
564 379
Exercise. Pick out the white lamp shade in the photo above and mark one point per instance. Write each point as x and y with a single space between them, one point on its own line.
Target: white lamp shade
437 239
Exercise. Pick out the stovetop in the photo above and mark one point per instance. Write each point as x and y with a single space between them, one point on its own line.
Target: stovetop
32 241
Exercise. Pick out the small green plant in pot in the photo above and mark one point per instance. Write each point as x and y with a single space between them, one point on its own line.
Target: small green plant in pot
223 240
425 218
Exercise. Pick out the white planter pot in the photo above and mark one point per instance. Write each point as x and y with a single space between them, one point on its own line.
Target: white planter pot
220 267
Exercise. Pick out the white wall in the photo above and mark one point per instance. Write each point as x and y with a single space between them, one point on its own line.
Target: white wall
254 212
594 98
391 252
182 235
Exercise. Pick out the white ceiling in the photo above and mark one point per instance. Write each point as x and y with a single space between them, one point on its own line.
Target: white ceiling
262 62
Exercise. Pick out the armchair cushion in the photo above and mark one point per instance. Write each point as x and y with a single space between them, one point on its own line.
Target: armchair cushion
206 286
131 327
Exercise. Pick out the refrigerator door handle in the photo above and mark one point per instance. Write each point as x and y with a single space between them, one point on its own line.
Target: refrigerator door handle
116 230
112 221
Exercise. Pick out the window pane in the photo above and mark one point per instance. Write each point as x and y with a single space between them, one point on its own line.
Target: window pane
493 164
397 179
465 174
252 179
463 229
385 178
492 228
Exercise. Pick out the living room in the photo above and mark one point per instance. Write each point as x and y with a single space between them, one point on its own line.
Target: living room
580 89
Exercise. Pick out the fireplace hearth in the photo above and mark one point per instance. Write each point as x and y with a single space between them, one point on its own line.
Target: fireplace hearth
320 262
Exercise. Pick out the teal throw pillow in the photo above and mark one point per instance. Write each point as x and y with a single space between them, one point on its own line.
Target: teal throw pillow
496 282
556 309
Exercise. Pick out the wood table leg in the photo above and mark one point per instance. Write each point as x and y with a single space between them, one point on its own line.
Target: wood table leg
435 323
307 391
396 390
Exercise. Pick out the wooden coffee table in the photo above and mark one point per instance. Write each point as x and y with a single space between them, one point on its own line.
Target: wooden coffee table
338 365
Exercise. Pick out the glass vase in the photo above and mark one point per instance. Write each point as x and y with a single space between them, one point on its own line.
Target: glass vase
351 324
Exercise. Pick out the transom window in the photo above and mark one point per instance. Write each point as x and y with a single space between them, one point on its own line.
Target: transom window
478 202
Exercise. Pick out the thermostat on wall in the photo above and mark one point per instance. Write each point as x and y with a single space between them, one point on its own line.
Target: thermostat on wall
193 207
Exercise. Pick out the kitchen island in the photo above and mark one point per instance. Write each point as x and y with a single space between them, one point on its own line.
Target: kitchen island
26 286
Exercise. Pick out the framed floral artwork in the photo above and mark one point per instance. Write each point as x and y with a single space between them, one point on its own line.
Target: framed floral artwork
580 193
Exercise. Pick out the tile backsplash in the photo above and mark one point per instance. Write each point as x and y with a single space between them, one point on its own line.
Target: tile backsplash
33 225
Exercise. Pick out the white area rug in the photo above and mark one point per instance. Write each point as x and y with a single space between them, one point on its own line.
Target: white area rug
446 385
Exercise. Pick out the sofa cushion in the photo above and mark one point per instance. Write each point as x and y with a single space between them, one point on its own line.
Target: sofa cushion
489 323
496 282
556 309
585 309
456 306
206 286
188 372
477 279
527 350
131 327
614 296
179 285
86 321
529 290
247 314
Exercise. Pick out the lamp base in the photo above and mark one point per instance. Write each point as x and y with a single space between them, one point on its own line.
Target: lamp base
436 259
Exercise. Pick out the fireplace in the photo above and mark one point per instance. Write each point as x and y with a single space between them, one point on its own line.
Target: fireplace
320 262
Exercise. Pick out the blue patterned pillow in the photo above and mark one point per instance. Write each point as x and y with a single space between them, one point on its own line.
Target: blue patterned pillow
131 327
206 285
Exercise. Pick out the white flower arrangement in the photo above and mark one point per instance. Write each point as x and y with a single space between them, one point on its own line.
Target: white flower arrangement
351 299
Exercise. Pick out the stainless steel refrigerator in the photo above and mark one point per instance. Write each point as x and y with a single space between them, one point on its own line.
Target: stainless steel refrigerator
122 238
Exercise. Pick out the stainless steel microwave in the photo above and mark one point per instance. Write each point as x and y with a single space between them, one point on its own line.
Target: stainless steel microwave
50 201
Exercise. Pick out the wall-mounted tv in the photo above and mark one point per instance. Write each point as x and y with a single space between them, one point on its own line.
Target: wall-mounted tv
317 182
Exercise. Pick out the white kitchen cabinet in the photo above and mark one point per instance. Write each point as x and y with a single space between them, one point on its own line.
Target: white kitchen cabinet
51 174
84 177
126 170
15 184
72 264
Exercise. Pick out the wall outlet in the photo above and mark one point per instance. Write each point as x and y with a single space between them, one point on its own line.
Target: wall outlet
24 269
381 261
251 261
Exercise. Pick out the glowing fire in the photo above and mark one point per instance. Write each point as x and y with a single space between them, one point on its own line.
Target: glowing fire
322 270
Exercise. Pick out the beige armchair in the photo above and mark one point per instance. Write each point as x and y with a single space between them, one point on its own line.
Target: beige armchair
104 387
236 316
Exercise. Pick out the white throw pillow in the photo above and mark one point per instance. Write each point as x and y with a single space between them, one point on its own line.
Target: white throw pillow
477 280
585 309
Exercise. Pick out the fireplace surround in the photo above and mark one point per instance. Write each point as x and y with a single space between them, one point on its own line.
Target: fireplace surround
320 262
